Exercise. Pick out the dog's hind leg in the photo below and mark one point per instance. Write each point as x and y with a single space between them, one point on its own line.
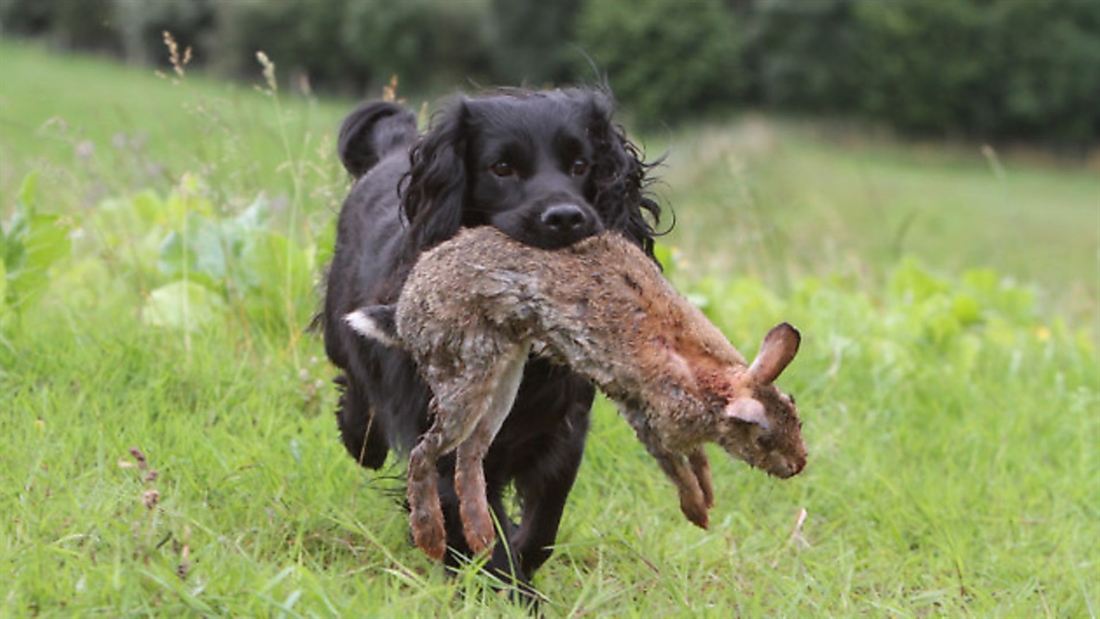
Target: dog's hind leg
360 429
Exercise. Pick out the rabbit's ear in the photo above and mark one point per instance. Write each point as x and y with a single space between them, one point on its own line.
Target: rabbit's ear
375 322
748 410
776 352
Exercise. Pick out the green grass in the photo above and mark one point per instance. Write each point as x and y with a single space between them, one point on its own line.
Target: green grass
787 196
951 415
98 130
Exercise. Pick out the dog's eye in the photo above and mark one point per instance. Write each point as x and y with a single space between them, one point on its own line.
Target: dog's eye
502 169
579 168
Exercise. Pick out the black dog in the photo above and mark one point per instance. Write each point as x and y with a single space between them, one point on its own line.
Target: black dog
548 168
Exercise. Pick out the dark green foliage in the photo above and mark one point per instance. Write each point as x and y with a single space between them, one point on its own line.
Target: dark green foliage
70 24
353 47
423 43
141 26
300 36
1004 68
84 25
30 17
923 64
1051 73
528 41
983 68
800 46
132 29
669 60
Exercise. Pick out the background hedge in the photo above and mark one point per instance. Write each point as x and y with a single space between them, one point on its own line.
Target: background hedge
1016 69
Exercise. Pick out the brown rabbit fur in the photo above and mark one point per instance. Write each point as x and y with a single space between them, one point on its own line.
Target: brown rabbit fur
476 306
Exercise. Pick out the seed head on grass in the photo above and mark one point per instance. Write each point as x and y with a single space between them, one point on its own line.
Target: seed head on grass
145 529
178 62
138 455
150 498
269 72
389 91
183 549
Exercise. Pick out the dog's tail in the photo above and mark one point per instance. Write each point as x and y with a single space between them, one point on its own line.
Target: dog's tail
373 131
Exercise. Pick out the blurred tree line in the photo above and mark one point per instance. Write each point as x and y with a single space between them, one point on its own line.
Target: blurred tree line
1014 69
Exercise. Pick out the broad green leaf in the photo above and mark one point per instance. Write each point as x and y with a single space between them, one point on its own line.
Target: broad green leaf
147 206
203 247
966 309
5 311
182 305
12 237
281 279
28 190
910 282
255 217
29 245
45 242
12 252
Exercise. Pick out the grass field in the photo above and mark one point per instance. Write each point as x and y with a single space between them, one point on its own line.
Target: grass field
949 379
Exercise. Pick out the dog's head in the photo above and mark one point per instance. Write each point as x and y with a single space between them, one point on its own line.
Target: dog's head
547 168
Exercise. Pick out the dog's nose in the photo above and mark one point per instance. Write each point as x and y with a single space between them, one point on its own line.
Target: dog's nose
565 218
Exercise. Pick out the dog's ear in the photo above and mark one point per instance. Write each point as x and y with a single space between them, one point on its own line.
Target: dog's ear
619 175
435 191
376 322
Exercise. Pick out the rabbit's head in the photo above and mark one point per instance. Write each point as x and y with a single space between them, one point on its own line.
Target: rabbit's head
760 424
